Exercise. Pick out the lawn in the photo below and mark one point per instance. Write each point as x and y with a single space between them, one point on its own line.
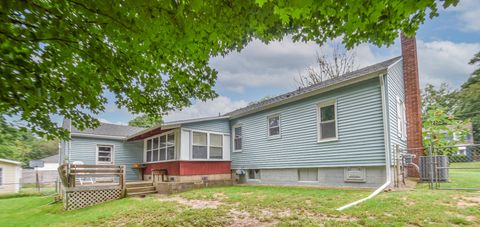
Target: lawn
262 205
253 206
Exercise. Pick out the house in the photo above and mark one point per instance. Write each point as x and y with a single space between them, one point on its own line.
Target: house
48 174
341 132
10 174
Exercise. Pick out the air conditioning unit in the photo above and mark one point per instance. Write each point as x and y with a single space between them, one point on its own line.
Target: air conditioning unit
431 164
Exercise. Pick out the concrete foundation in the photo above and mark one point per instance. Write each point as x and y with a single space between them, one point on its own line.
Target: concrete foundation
176 187
193 178
327 177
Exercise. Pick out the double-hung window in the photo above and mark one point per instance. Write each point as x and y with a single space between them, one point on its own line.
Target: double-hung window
207 145
160 148
104 154
327 121
216 146
237 138
274 126
199 146
401 119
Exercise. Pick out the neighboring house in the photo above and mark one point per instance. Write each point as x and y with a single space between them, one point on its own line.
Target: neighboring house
464 144
10 174
49 163
341 132
48 174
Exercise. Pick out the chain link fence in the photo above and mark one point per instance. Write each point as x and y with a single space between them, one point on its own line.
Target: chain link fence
47 183
452 167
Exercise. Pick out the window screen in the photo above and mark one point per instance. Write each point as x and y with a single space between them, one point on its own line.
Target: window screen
274 126
328 124
237 131
199 148
216 146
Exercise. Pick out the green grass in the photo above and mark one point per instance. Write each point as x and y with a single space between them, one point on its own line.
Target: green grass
254 205
463 178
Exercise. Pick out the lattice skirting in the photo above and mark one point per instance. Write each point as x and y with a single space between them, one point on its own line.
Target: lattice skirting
79 199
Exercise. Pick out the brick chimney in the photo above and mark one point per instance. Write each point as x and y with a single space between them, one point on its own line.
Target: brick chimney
412 99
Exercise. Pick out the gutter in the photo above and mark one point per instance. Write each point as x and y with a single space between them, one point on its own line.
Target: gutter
388 180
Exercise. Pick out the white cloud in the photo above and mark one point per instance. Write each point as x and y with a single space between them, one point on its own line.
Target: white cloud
468 13
110 122
445 61
276 64
219 105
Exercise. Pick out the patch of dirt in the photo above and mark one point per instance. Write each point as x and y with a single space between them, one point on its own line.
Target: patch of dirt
244 218
219 196
193 203
463 201
330 217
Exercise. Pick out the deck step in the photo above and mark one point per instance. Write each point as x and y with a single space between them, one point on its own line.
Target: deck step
141 193
141 189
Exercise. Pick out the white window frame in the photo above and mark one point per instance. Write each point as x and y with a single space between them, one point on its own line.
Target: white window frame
208 145
319 131
112 154
233 138
1 176
279 127
145 150
401 119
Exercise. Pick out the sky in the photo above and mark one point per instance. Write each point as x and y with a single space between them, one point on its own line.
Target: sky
445 45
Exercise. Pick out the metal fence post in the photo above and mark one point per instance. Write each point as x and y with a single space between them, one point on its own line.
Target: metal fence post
430 154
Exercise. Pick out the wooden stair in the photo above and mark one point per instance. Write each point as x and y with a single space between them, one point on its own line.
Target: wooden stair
140 188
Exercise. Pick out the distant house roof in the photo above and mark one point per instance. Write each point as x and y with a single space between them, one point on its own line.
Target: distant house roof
10 161
312 88
105 129
51 159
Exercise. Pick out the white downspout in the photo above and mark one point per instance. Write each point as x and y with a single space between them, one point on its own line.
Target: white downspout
388 170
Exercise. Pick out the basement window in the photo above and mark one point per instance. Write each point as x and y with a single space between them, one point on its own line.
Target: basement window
310 174
254 174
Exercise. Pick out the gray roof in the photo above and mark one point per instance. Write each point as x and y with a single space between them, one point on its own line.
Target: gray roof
290 95
51 159
110 130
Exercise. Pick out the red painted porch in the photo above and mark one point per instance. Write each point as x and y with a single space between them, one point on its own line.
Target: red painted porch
190 168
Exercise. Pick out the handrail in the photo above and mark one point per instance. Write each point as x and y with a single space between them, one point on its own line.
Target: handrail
70 172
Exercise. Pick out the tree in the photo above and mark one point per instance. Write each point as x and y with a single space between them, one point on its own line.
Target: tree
433 97
329 66
22 145
468 99
145 121
59 56
439 127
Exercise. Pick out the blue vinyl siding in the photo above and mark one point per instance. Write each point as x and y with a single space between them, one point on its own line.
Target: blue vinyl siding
126 153
395 88
220 125
360 132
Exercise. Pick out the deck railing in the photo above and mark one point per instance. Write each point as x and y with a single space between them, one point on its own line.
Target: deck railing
85 185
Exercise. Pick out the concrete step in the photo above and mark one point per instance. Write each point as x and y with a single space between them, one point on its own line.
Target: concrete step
141 193
138 184
141 189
